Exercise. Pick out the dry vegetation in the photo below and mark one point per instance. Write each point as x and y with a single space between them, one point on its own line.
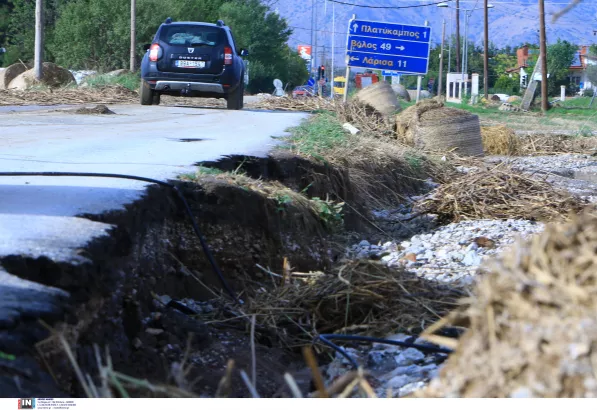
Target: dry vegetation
46 96
363 298
500 193
532 330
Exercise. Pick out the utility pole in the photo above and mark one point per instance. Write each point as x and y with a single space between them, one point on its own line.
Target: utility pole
543 53
457 35
133 35
441 63
39 39
486 57
313 51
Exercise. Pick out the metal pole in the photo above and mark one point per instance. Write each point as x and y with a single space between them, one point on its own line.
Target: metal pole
420 77
345 97
457 35
316 35
39 39
312 35
441 62
543 51
133 66
333 46
486 58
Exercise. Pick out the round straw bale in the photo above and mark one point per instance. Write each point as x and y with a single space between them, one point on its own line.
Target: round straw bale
381 97
430 126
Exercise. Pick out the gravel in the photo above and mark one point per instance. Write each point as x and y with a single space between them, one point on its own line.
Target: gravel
394 370
451 252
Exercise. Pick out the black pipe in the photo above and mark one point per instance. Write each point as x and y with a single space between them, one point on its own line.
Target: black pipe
179 194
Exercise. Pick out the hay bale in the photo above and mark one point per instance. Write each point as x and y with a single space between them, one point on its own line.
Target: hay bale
53 76
381 97
430 126
500 193
425 95
401 92
500 140
532 328
514 99
10 73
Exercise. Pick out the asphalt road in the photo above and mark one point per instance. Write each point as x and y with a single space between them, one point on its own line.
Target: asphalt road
38 216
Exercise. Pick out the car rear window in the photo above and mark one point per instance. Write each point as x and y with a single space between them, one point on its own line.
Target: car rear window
186 35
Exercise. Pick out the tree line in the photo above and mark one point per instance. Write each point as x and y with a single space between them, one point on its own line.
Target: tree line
95 34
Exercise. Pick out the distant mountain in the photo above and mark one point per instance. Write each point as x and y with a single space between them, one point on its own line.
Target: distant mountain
511 22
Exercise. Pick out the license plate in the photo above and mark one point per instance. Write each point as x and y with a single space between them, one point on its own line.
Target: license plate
189 64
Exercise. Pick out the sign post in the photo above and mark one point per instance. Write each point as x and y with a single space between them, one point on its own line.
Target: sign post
376 45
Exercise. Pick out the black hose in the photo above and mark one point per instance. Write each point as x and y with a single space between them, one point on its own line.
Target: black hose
179 194
326 340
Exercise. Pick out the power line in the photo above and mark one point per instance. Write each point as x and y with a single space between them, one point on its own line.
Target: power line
388 7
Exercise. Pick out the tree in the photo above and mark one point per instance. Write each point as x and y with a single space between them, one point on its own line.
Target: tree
559 59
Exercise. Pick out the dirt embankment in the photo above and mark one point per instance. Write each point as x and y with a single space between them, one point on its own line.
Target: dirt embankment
123 298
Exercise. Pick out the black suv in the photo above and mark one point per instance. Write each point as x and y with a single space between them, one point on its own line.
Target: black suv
195 60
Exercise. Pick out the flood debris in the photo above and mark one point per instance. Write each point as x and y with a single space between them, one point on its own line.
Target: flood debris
532 330
113 94
500 193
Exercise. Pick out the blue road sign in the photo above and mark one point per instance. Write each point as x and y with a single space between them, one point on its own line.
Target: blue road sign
387 46
386 73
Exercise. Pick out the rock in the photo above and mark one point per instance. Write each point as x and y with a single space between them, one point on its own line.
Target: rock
411 388
412 257
10 73
351 128
53 76
484 242
409 356
399 381
154 332
401 92
424 94
471 259
364 244
137 343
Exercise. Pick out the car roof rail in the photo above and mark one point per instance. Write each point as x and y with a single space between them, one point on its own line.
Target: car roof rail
168 20
221 23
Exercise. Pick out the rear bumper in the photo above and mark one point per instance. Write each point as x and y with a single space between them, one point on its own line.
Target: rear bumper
171 85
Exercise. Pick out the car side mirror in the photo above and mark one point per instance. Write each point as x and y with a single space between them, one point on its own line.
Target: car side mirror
146 47
243 52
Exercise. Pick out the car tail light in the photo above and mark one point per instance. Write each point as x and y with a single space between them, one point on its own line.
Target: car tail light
155 52
227 55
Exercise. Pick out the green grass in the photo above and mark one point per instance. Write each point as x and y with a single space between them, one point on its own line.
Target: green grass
130 80
317 135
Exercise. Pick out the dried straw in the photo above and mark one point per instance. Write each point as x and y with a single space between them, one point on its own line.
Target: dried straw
500 140
500 193
115 94
532 328
359 297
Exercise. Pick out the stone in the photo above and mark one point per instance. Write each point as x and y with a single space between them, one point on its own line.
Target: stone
364 244
11 72
411 257
53 76
411 388
409 356
471 259
399 381
154 332
137 343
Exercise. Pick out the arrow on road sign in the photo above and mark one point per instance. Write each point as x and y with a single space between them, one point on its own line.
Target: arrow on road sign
354 58
401 48
355 27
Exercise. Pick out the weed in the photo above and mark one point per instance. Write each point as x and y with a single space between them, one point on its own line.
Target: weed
330 212
585 131
130 81
414 160
282 200
318 135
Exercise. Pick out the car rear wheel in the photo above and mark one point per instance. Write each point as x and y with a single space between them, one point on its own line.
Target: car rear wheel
236 98
156 98
147 94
